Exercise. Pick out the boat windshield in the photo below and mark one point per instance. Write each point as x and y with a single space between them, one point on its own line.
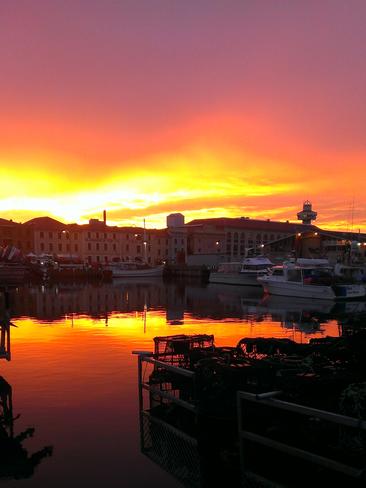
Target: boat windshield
277 271
317 276
255 267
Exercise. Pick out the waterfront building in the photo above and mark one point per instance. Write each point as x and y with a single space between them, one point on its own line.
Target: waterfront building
199 242
15 234
99 243
211 241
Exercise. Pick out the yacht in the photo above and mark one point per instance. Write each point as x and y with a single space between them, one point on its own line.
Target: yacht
311 278
244 273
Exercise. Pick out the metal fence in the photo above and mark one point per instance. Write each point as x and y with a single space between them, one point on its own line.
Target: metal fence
283 442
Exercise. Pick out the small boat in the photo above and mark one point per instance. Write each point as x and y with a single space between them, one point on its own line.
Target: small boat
135 270
310 278
244 273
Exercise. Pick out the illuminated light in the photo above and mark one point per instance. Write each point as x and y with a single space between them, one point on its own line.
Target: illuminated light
262 245
217 243
136 235
359 243
315 233
299 234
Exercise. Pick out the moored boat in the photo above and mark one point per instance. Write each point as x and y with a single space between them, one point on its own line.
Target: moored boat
310 278
135 270
244 273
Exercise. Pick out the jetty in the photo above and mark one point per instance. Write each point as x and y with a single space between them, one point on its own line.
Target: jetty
266 412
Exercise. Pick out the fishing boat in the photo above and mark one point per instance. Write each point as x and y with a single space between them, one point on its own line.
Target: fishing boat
244 273
310 278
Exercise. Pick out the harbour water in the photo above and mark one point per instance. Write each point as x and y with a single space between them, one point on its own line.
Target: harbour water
74 379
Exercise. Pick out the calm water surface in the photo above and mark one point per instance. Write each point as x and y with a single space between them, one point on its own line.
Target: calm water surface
74 379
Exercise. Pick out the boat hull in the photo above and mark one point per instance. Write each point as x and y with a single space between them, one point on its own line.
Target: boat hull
294 289
138 273
234 279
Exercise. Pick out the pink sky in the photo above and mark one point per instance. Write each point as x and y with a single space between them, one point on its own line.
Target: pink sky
205 107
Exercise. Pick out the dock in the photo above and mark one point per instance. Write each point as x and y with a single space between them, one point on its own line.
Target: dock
266 412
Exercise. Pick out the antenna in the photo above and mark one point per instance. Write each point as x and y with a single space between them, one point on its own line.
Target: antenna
352 212
144 242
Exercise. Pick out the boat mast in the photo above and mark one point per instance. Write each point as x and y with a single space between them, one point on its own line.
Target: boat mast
145 243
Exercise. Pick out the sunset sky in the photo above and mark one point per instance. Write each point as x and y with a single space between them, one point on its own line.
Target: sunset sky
209 108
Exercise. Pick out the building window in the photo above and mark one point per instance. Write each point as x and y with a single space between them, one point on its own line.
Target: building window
127 247
272 237
76 247
97 235
68 247
51 247
89 235
105 235
41 234
106 259
105 247
60 247
127 236
97 246
50 235
89 246
138 249
114 247
42 246
159 252
98 259
114 236
75 236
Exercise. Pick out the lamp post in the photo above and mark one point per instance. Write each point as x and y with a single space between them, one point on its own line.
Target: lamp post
67 234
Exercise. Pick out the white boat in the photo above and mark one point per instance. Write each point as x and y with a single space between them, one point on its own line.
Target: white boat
244 273
310 278
351 272
135 270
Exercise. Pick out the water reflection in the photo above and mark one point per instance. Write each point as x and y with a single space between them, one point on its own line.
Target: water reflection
15 460
179 304
72 363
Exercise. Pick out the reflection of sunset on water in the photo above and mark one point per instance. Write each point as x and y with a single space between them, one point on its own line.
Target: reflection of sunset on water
72 364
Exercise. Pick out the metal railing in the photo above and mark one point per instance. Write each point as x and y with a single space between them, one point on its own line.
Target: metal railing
270 400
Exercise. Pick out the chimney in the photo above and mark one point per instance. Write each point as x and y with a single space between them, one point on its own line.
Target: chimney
105 217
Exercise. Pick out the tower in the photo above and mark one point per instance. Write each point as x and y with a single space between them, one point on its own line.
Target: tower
307 214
